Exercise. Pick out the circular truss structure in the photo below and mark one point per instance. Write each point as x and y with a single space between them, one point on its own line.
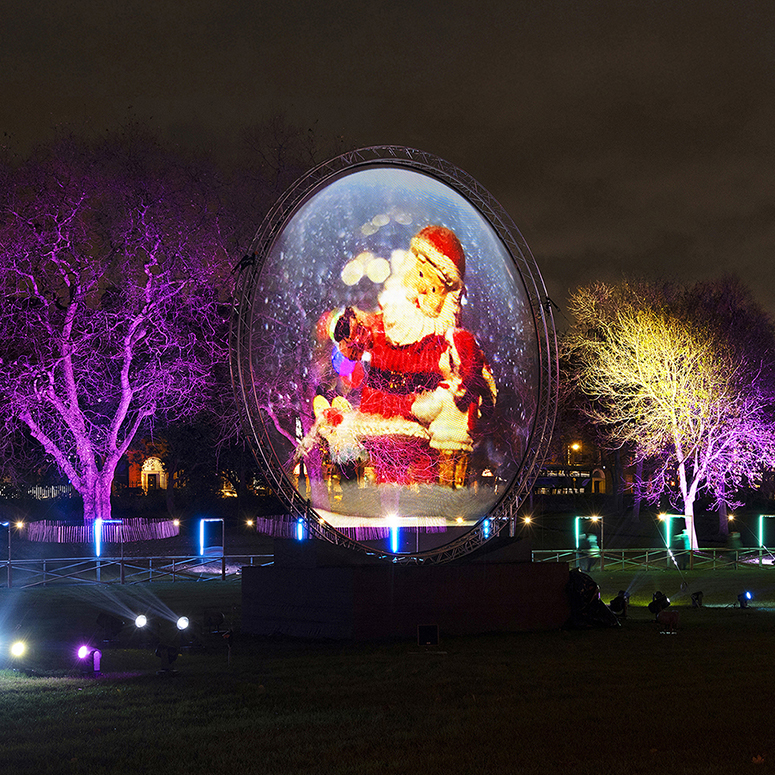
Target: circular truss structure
328 250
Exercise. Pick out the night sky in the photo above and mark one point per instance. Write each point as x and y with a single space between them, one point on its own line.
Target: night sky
624 138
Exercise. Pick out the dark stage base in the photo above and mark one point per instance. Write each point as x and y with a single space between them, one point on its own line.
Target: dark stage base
314 592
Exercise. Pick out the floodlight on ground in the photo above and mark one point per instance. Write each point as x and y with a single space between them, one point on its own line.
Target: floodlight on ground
620 603
182 622
659 602
18 648
696 599
141 621
92 657
744 598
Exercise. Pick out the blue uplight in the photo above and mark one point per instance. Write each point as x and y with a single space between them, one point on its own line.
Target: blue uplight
98 524
202 532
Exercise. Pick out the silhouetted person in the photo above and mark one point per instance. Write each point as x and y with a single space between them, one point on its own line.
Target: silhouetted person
734 545
619 604
686 546
594 553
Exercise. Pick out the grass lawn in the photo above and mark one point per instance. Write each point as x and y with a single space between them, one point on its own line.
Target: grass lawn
627 700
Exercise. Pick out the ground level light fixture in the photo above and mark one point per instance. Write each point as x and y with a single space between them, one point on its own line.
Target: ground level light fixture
744 598
182 623
92 657
659 602
620 603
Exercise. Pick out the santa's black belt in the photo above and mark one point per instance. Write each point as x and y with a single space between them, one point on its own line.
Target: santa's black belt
402 383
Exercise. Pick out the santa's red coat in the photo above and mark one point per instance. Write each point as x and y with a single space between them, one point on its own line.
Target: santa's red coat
399 373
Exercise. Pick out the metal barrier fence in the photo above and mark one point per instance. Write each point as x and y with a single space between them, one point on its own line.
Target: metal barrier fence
659 559
125 570
136 570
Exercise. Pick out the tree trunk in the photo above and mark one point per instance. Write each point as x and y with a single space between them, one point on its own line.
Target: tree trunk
617 483
688 493
637 490
723 517
689 516
96 495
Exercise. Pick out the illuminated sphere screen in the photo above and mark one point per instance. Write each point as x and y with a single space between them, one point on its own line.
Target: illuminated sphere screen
390 358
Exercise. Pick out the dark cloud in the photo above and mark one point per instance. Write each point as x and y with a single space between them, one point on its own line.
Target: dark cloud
624 138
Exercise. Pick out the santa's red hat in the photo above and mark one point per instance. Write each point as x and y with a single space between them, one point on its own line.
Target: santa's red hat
443 249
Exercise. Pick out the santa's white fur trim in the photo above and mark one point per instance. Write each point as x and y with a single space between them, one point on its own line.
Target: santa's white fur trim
368 426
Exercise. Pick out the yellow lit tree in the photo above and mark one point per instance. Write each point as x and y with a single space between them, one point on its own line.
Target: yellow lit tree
669 386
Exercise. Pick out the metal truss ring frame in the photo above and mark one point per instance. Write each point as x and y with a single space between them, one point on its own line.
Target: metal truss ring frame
504 513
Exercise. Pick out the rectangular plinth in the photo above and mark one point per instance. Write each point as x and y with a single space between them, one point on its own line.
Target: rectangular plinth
382 601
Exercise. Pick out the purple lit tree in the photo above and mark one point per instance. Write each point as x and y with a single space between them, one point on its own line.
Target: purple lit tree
669 379
114 271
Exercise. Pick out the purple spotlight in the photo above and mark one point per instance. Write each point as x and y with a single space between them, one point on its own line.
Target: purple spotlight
94 657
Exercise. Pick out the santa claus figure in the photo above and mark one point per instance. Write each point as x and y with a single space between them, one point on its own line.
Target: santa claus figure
427 379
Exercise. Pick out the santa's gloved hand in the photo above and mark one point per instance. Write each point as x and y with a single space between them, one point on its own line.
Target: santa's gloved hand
343 326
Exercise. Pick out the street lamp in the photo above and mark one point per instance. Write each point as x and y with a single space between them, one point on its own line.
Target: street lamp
9 525
602 541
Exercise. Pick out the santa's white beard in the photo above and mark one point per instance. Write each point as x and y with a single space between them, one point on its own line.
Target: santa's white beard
405 323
